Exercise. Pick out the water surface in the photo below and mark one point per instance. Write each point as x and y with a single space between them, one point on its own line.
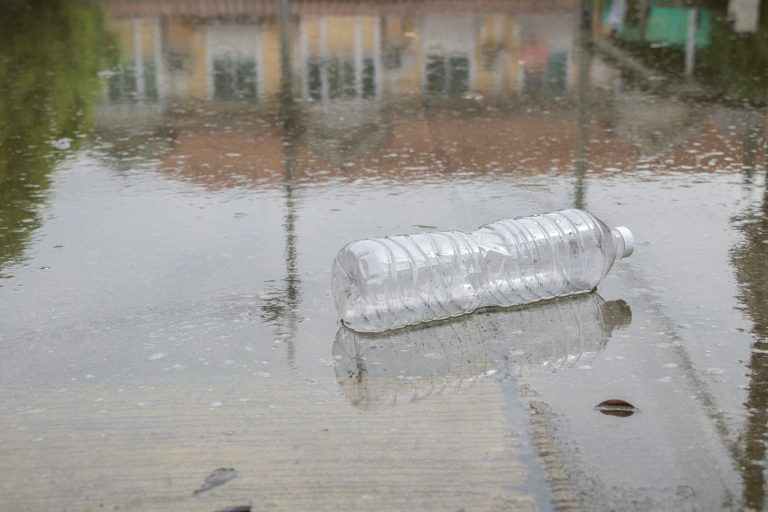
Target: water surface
176 177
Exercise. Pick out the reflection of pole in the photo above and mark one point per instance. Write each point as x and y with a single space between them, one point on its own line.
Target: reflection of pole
471 59
159 68
303 53
289 156
377 78
258 62
281 308
291 255
500 69
324 88
643 9
358 55
284 14
582 99
749 148
138 62
690 43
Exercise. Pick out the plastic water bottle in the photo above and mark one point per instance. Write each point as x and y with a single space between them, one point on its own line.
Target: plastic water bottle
387 283
410 364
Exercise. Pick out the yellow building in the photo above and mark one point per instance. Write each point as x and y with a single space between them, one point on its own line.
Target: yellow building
365 53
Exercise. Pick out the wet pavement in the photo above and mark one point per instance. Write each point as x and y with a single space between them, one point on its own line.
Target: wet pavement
177 176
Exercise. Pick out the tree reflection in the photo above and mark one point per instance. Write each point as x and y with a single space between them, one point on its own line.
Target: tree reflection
749 260
50 56
581 157
741 65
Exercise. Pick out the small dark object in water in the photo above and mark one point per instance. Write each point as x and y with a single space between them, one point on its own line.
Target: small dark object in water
615 407
236 508
217 478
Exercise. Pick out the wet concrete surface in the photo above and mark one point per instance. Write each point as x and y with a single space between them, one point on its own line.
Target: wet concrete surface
176 177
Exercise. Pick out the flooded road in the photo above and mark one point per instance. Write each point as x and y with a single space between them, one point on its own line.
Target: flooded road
177 176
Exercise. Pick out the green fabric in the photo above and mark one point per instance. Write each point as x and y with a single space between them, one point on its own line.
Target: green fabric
670 25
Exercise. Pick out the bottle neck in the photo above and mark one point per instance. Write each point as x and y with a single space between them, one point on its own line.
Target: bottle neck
624 241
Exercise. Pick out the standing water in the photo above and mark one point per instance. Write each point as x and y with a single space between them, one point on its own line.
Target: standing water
176 177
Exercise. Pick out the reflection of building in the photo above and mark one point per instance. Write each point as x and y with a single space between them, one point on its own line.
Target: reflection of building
141 69
175 58
233 60
546 46
448 60
372 78
340 57
183 49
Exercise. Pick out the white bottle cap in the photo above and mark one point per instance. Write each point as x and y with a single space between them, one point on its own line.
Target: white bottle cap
629 241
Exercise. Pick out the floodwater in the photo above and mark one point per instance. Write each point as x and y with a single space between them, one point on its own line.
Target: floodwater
177 176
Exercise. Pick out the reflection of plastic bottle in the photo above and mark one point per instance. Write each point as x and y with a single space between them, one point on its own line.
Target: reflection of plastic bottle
387 283
410 364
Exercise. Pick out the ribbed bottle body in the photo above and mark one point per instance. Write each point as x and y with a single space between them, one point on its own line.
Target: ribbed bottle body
544 256
387 283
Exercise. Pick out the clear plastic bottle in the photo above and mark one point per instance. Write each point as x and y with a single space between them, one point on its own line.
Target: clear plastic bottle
386 283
